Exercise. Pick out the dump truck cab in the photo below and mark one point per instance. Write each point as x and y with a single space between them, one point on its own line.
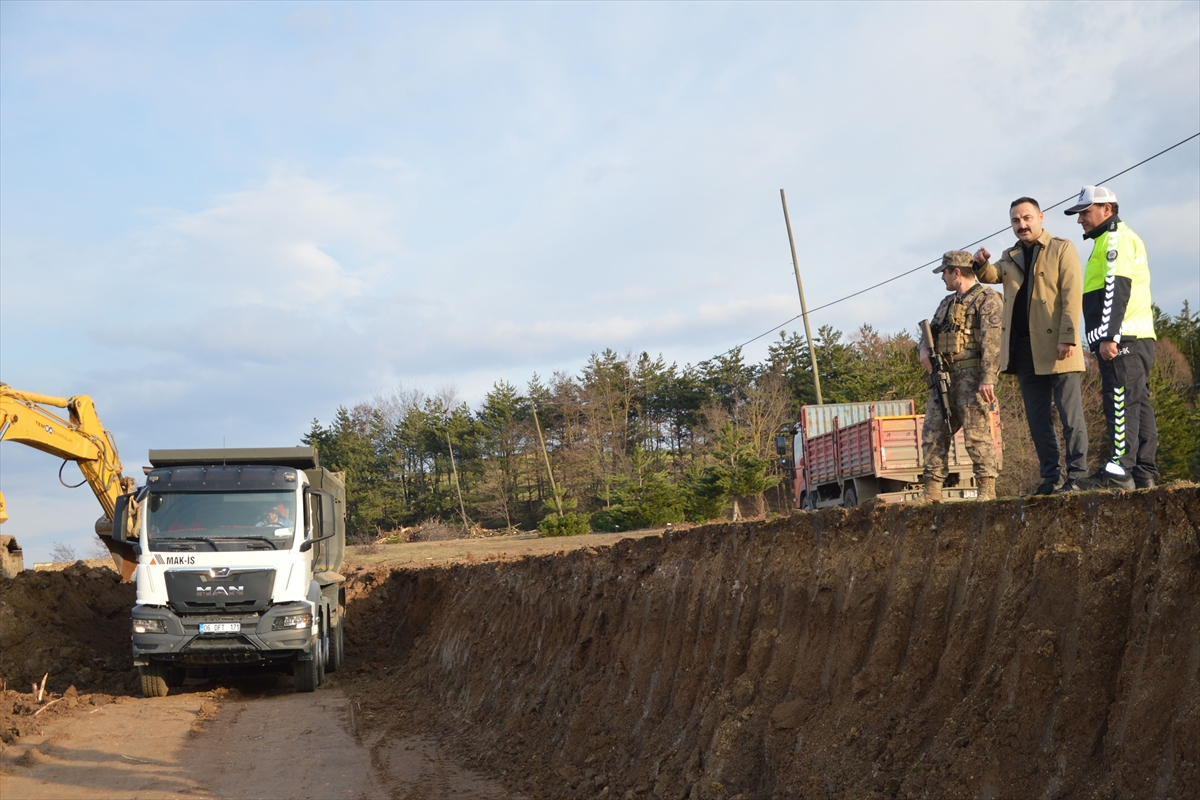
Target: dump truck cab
238 559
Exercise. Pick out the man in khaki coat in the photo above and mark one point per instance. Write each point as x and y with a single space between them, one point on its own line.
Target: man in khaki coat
1043 311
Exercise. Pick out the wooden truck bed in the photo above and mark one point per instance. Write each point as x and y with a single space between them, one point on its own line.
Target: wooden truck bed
882 447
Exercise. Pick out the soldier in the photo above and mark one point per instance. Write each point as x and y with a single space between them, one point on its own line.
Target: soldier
966 330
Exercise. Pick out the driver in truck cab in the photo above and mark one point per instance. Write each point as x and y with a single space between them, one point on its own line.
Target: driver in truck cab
276 517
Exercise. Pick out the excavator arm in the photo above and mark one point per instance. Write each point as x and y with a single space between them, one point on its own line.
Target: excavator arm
80 438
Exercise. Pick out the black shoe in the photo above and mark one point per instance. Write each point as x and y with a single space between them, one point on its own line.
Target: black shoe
1143 483
1106 480
1048 486
1071 485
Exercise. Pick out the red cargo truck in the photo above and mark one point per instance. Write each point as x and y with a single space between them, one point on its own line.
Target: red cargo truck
845 453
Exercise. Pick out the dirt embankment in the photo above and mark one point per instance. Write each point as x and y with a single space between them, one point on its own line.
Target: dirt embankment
72 624
1044 648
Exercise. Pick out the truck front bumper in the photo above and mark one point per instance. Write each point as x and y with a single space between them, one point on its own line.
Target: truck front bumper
255 641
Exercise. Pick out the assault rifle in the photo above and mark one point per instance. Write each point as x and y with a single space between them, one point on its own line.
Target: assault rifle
939 379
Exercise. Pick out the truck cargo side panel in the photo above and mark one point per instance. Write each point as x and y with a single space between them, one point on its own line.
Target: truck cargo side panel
855 457
823 462
899 444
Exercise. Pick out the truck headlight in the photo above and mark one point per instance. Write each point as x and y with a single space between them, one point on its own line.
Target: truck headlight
297 621
149 626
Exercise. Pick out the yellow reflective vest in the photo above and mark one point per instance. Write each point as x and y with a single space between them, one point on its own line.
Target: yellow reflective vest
1116 286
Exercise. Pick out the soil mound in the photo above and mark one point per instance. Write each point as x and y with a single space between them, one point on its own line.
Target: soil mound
1012 649
71 624
69 627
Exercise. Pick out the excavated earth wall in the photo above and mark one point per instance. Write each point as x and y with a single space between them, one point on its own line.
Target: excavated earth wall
1012 649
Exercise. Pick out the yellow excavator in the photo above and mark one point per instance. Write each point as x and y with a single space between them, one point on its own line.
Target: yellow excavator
80 438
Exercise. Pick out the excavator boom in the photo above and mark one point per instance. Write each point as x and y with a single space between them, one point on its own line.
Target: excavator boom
80 437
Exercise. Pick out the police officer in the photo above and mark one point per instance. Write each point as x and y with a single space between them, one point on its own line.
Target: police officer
966 330
1119 328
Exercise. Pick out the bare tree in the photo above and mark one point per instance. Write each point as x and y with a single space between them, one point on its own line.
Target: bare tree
63 553
97 549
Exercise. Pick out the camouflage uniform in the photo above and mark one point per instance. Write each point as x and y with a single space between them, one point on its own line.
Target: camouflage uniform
966 331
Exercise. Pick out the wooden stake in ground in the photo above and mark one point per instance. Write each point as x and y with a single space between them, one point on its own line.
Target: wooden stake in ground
40 691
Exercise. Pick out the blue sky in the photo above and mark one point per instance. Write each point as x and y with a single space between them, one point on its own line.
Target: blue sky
222 220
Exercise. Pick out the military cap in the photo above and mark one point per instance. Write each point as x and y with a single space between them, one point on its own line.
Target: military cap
956 259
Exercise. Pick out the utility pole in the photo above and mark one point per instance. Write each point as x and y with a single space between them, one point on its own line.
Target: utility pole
546 455
457 487
812 350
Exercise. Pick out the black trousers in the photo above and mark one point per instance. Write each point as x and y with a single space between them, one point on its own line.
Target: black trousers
1132 429
1042 393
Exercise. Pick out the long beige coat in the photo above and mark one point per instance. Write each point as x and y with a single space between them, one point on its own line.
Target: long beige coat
1055 305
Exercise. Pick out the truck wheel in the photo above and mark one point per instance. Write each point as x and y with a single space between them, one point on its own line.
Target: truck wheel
850 497
336 652
307 674
323 653
154 679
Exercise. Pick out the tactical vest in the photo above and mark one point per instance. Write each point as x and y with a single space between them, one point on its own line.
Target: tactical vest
956 329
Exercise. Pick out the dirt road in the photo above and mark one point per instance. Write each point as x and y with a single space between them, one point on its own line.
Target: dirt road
263 741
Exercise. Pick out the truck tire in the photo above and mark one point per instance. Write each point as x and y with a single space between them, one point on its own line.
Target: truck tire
850 497
323 652
307 674
336 651
154 679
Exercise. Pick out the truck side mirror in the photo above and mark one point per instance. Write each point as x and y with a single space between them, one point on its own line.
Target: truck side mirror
781 445
327 514
121 518
324 524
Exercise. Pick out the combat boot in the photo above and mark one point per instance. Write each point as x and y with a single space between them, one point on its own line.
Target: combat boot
933 491
987 488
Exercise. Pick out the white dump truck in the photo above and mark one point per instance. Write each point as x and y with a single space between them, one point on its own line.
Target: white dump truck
238 559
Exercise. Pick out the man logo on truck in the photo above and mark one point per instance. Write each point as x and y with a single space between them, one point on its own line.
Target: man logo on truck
213 591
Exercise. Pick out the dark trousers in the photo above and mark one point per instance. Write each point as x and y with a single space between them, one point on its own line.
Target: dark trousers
1132 429
1041 393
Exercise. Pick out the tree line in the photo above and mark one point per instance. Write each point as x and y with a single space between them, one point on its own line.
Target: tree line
631 441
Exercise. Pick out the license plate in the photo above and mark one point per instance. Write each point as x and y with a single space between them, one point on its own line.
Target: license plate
970 493
220 627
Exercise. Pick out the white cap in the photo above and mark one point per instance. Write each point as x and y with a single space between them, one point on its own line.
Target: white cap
1090 196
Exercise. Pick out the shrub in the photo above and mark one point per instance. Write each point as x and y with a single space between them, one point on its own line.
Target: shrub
569 524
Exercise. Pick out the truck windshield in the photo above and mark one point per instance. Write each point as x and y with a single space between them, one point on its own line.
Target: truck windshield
221 521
